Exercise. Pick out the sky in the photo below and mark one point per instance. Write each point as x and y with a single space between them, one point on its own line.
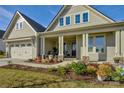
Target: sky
44 14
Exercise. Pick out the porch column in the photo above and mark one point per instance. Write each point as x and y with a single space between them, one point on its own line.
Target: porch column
7 50
60 56
85 56
117 43
43 46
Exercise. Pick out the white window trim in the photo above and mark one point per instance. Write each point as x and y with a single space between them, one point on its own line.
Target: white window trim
22 25
75 17
94 41
93 44
19 25
88 16
59 21
65 20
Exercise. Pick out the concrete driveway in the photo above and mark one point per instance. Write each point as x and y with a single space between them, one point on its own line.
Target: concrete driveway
4 61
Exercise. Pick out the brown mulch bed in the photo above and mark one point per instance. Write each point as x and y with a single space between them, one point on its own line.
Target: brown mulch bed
69 75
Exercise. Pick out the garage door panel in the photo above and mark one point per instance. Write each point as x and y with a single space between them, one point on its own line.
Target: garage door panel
24 52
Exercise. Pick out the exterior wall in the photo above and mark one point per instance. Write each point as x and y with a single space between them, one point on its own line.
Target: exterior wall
110 43
2 45
50 44
94 18
25 32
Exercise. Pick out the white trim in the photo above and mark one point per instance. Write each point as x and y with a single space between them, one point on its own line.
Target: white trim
59 22
94 40
70 20
87 11
75 17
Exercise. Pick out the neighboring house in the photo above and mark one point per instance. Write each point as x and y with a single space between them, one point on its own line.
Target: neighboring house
2 44
79 32
22 37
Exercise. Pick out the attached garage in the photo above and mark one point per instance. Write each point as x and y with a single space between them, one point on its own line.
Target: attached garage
22 37
22 51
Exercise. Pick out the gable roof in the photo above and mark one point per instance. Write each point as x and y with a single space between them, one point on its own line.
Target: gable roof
33 24
88 6
1 33
38 27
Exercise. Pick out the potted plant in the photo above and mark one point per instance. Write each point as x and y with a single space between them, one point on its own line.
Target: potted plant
117 59
104 71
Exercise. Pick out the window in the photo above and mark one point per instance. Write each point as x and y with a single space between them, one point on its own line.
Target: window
17 45
77 18
19 25
85 17
90 44
100 44
28 44
68 20
22 45
61 21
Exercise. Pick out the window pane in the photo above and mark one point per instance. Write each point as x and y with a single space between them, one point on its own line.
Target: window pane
28 44
21 25
100 44
61 21
68 20
90 44
22 45
17 26
85 17
77 18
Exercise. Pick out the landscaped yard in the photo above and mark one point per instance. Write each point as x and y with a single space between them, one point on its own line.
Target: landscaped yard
22 78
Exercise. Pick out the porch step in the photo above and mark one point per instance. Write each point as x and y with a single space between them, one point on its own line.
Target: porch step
69 59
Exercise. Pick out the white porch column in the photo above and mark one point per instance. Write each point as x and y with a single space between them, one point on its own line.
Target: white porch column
86 45
60 56
42 46
7 50
84 51
117 43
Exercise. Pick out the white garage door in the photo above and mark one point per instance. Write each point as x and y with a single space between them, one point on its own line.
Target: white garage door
21 51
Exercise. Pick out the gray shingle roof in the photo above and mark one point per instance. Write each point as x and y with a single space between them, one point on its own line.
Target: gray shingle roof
1 33
38 27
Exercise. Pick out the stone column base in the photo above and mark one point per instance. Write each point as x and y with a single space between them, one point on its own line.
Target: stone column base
43 56
60 57
85 59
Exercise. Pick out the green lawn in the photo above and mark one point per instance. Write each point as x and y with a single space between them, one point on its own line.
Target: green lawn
20 78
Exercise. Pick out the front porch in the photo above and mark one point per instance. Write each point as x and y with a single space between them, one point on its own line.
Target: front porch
93 47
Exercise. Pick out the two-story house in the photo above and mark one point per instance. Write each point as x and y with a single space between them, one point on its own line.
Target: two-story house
79 32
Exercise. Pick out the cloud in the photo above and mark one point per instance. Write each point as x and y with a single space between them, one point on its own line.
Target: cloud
50 9
5 13
5 17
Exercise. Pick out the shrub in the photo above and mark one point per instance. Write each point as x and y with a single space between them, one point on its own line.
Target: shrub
61 71
91 70
104 70
1 52
118 75
52 69
78 68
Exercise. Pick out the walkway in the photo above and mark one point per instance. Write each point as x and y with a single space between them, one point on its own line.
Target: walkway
22 62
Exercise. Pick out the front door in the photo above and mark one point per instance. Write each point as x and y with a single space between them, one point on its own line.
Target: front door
70 49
